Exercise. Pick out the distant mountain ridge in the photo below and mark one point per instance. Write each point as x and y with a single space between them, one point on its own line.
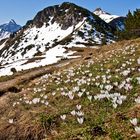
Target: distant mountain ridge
8 28
117 22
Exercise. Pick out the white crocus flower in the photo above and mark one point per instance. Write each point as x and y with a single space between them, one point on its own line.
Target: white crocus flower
18 103
138 79
87 93
137 100
27 101
126 72
63 94
80 120
11 121
45 97
108 87
101 86
41 95
53 93
89 97
138 61
36 100
115 105
123 65
137 129
83 90
73 112
14 104
90 75
80 94
30 102
119 101
75 89
46 103
134 121
128 87
63 117
78 107
80 113
115 83
71 96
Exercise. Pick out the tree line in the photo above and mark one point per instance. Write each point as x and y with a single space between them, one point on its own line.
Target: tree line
132 26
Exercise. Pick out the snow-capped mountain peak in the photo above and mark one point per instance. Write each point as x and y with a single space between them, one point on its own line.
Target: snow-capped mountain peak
12 21
107 17
8 28
99 11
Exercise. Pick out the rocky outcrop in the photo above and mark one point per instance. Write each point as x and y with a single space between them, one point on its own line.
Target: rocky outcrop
66 14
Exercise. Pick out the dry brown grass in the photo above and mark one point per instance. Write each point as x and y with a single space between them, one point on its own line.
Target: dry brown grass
27 124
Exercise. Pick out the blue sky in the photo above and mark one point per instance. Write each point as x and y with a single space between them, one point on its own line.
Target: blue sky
23 10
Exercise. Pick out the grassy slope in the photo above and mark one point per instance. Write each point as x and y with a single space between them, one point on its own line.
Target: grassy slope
101 120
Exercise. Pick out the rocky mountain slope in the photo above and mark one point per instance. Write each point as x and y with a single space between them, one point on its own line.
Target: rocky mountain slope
8 28
46 39
117 22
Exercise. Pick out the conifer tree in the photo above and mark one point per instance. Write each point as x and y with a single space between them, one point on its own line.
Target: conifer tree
132 26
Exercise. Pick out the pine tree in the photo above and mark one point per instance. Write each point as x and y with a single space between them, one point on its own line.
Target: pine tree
128 21
132 25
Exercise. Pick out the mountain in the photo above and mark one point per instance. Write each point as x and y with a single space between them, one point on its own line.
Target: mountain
49 36
117 22
104 15
8 28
